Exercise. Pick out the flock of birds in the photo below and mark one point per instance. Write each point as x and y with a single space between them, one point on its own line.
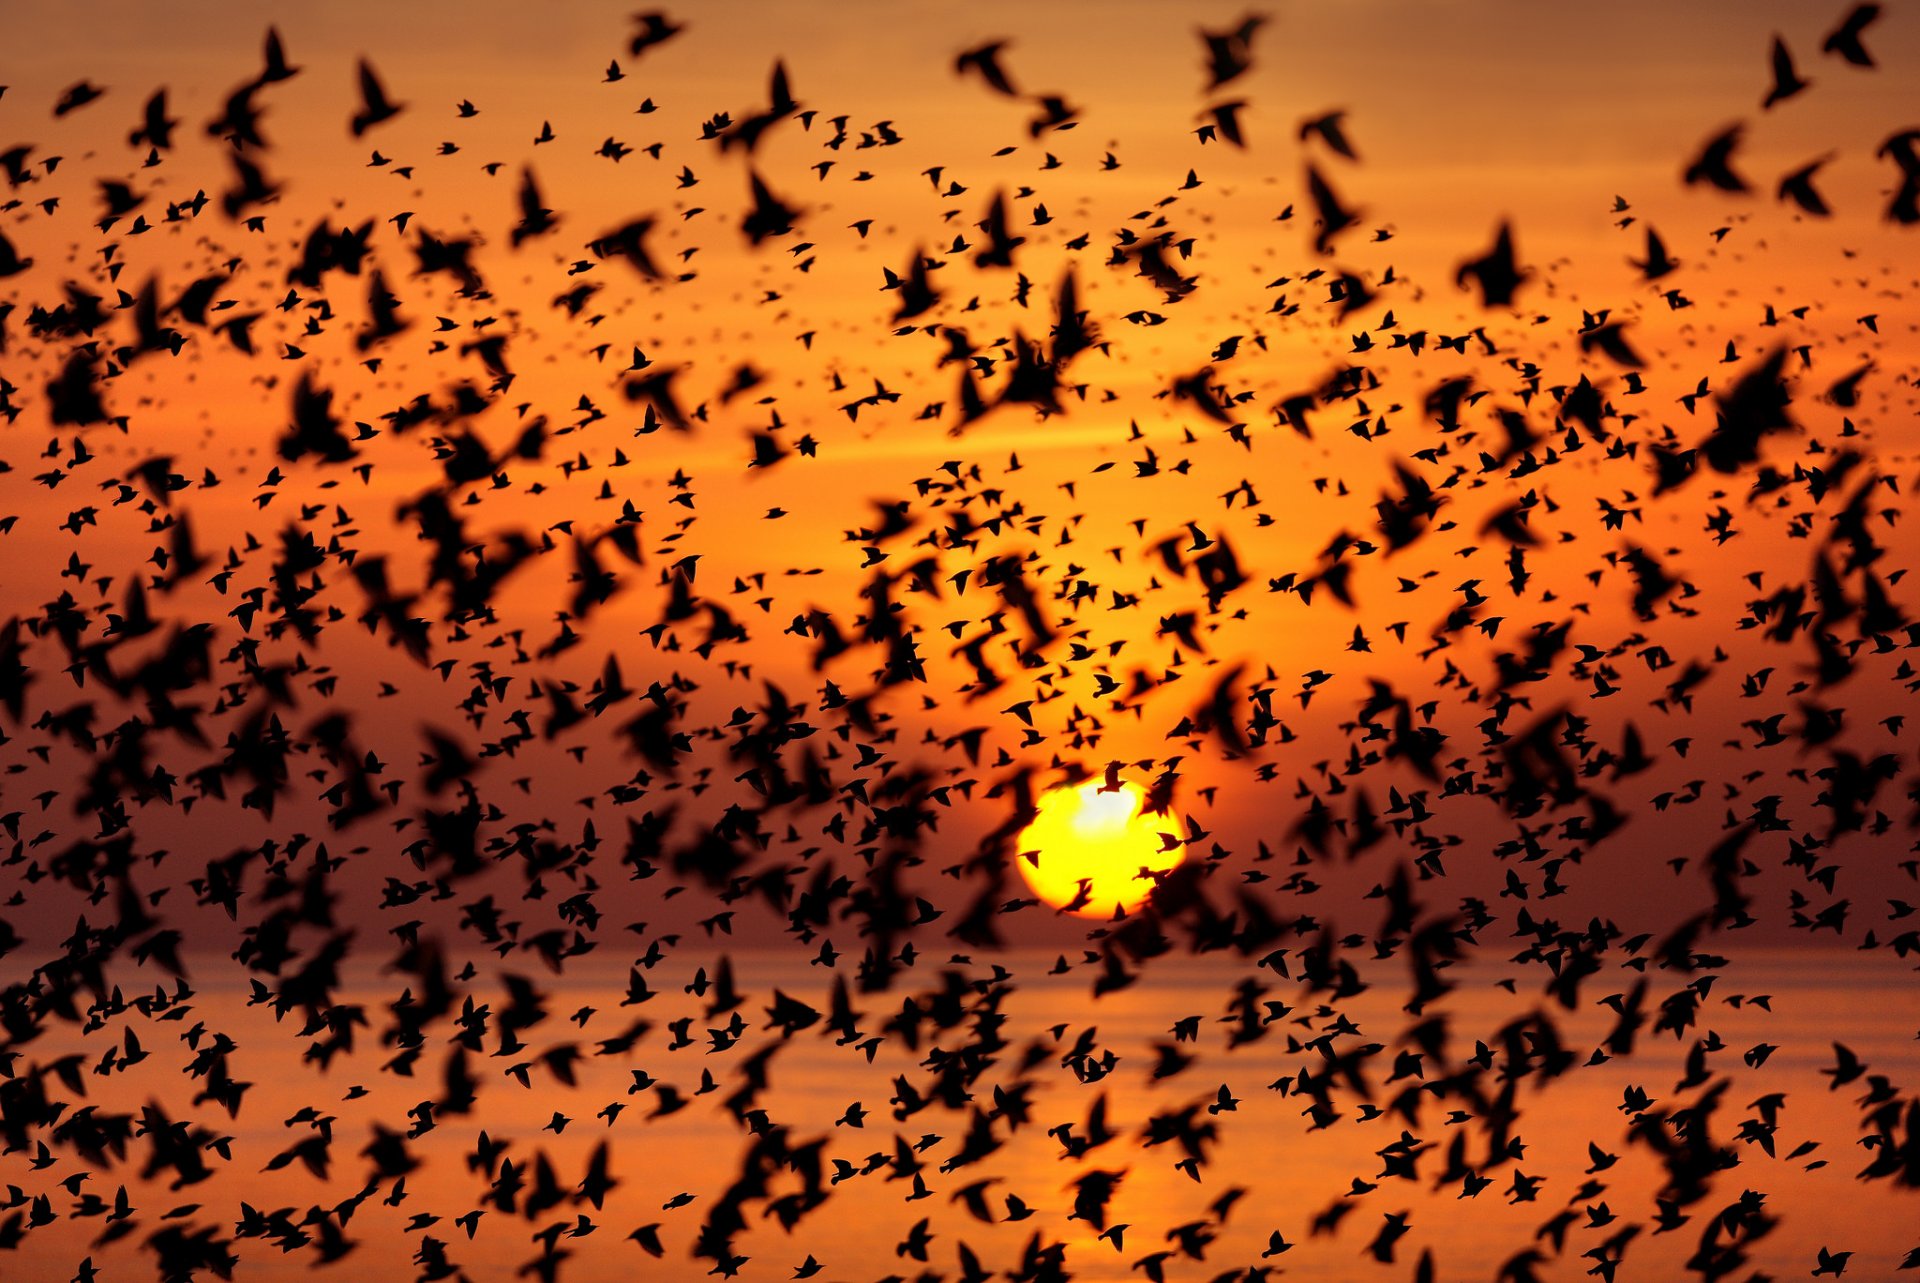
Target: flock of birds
204 788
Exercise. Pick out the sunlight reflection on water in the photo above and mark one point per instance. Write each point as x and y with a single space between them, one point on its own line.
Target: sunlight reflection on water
1264 1145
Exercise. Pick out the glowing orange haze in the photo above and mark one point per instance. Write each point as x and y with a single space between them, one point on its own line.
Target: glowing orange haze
870 500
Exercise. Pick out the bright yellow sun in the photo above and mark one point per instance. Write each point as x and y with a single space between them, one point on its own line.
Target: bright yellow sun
1080 832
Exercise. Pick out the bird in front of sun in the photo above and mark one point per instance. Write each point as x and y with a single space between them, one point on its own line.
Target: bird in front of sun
1092 850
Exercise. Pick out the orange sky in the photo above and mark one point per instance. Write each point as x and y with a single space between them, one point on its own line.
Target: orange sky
1460 123
1570 125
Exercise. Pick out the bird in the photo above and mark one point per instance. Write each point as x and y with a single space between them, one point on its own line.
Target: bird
1330 128
1798 187
984 62
375 108
652 28
1786 81
1333 217
1229 53
75 96
1658 262
1713 164
1498 276
1844 40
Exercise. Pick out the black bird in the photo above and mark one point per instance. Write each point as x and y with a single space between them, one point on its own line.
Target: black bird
1658 262
375 108
653 28
535 218
76 96
11 261
985 62
1798 187
1333 217
156 127
277 68
1786 81
1230 53
1498 276
1331 129
1844 40
1714 164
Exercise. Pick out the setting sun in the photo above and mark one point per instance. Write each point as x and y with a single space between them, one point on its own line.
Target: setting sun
1085 833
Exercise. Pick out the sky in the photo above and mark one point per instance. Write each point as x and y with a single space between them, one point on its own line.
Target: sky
1462 118
458 517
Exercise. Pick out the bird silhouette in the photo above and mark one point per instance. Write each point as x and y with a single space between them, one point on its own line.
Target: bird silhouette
1786 81
375 108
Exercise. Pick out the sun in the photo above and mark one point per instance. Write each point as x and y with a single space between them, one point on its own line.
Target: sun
1082 831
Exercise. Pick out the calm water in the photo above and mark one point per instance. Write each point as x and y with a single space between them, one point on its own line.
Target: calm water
1265 1147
